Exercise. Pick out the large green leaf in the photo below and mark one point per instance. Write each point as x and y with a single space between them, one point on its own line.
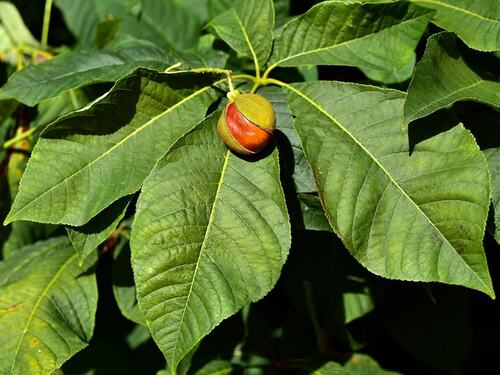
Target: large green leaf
210 236
380 39
442 77
92 157
47 307
477 22
75 69
248 28
416 215
88 237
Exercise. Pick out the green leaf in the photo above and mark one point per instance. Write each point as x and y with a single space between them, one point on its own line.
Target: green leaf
248 28
22 233
358 364
94 148
361 364
87 238
330 368
210 236
14 26
204 55
493 156
289 141
476 22
75 69
442 77
50 109
47 307
170 24
313 215
215 367
138 336
82 16
123 283
106 31
404 215
380 39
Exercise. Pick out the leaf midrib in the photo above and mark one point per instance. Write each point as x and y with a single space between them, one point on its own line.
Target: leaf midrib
247 38
37 304
135 132
417 114
202 250
347 42
463 10
78 72
386 172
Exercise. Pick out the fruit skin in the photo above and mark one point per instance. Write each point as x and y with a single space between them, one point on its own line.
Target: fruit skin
247 123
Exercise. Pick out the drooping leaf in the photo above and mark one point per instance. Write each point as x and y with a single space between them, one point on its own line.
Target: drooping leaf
380 39
14 26
75 69
442 77
476 22
88 237
210 236
411 216
94 148
47 307
248 28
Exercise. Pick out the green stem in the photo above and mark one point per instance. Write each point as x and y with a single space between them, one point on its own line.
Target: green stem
246 77
46 23
268 71
11 142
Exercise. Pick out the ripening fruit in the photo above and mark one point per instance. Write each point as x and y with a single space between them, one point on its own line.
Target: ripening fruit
247 123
